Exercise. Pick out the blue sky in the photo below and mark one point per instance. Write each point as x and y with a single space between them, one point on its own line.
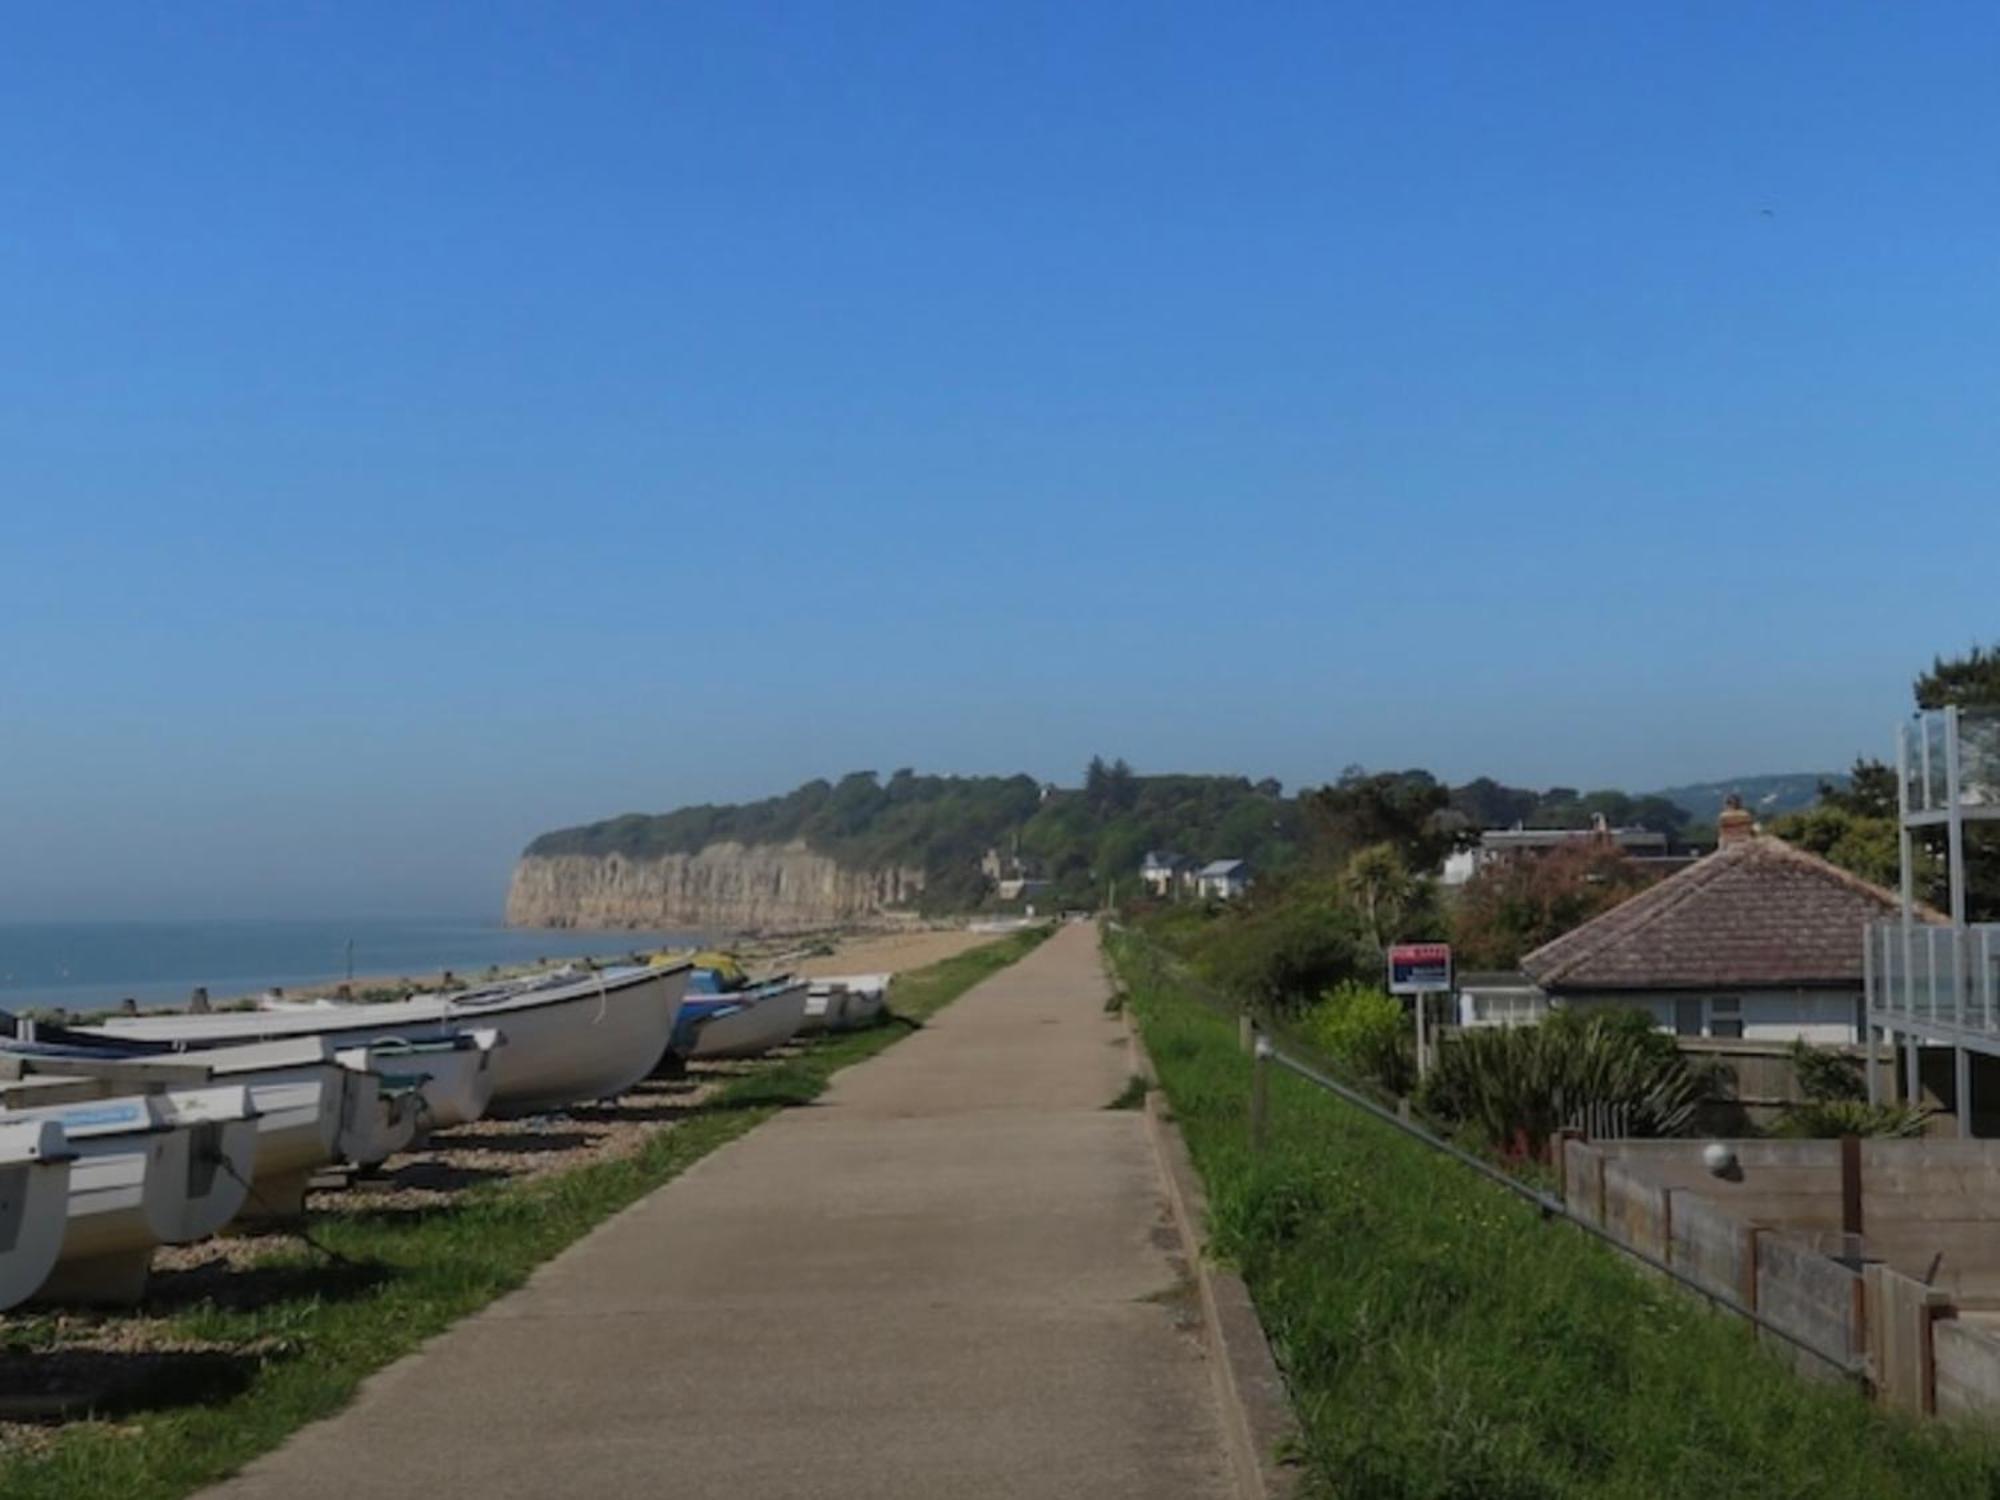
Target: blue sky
424 425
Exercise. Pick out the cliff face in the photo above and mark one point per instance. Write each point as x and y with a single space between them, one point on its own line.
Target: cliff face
724 887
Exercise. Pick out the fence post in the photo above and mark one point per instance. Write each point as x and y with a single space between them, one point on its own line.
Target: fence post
1246 1031
1260 1091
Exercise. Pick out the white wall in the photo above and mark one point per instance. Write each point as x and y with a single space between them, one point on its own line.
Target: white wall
1819 1016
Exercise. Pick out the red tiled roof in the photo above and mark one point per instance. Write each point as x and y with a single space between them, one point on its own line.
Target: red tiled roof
1759 913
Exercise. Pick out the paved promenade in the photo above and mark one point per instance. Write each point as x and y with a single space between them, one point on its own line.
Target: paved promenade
951 1278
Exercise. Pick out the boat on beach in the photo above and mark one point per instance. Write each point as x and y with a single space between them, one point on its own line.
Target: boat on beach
311 1109
742 1023
34 1202
147 1170
453 1076
846 1002
568 1038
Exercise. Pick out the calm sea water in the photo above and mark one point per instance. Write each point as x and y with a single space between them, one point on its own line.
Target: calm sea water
86 966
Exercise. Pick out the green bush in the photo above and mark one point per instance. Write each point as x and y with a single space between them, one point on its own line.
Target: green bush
1514 1087
1824 1075
1827 1119
1360 1027
1283 948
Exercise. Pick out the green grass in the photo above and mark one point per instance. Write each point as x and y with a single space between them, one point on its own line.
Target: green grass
1440 1340
300 1352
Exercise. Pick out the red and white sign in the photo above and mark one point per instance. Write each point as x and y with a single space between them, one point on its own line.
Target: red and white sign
1419 968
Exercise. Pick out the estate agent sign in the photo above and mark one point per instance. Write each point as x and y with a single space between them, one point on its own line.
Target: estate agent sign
1419 968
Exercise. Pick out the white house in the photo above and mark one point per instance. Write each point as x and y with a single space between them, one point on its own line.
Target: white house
1164 872
1223 879
1759 940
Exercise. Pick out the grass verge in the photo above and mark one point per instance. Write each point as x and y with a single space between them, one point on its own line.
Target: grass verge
272 1363
1441 1341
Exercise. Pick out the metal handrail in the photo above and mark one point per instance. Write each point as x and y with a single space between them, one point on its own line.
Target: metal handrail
1549 1205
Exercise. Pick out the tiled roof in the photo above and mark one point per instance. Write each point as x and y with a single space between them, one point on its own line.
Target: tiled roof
1759 913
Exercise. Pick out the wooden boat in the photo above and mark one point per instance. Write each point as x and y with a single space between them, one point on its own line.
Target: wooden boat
34 1205
750 1022
149 1170
569 1038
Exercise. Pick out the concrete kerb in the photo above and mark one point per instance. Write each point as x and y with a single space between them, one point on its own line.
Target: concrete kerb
1257 1416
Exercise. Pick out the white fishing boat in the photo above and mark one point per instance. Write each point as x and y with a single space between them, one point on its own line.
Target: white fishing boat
297 1086
34 1205
824 1004
844 1002
768 1020
569 1039
151 1170
377 1118
454 1075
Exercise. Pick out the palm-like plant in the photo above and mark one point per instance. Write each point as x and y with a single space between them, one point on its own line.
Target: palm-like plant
1516 1087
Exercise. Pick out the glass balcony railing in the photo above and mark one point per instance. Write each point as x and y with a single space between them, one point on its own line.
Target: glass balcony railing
1939 976
1927 761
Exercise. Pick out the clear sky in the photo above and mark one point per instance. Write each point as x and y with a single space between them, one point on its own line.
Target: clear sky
424 425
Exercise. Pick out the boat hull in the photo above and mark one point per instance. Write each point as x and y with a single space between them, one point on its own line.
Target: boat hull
34 1207
564 1044
165 1169
753 1029
455 1079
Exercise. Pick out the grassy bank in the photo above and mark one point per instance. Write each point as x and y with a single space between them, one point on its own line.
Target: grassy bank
1441 1341
288 1338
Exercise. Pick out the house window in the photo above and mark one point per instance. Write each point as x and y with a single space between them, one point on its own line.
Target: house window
1725 1017
1687 1018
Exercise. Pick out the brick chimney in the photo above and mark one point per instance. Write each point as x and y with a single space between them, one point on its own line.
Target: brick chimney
1735 825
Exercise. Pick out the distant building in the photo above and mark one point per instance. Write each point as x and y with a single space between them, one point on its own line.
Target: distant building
1165 873
1643 845
1223 879
1759 940
1012 876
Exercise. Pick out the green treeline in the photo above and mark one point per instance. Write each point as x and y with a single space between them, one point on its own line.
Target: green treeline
1079 838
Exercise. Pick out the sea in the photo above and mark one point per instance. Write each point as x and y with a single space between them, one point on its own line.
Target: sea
88 966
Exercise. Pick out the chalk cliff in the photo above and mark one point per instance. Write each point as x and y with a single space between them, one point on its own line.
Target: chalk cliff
725 887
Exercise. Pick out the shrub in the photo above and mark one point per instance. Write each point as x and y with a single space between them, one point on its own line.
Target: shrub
1515 1087
1825 1119
1360 1027
1280 951
1825 1076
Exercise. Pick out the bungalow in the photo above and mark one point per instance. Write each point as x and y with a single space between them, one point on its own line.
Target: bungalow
1223 879
1164 872
1759 940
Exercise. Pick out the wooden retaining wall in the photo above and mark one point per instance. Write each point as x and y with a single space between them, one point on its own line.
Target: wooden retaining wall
1929 1345
1966 1359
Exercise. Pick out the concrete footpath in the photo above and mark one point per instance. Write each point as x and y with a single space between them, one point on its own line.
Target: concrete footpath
953 1277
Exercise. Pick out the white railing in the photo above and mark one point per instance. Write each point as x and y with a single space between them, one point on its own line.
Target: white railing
1934 976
